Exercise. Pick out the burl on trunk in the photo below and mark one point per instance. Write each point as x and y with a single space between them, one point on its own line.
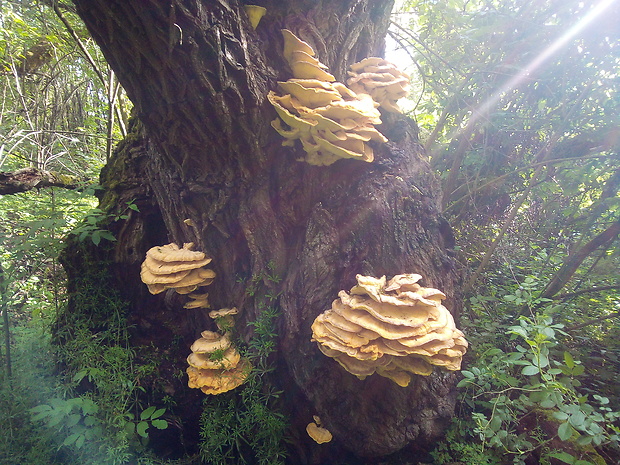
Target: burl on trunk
199 75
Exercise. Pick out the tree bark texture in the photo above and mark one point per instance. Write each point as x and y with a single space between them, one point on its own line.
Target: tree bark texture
198 75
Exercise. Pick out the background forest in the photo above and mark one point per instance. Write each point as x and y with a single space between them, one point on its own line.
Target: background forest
518 109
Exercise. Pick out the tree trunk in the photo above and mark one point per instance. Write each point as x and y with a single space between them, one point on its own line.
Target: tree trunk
198 75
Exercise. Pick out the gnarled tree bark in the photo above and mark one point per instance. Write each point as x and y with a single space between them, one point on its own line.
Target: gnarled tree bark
198 75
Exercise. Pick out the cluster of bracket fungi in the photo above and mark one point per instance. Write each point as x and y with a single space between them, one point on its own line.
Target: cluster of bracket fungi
215 365
381 80
393 328
330 119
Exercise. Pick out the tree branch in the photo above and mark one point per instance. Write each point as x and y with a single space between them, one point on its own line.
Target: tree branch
26 179
565 273
568 295
592 321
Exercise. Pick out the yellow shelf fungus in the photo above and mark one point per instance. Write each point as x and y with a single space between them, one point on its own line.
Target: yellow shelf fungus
381 80
173 267
255 14
330 120
317 432
393 328
215 366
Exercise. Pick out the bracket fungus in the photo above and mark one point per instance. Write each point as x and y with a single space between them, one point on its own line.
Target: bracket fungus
393 328
224 318
173 267
215 366
317 432
255 14
380 79
330 120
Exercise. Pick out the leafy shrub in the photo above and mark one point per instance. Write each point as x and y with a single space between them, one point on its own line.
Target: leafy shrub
503 387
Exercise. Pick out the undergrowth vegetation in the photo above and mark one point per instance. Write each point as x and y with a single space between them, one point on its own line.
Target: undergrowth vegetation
245 425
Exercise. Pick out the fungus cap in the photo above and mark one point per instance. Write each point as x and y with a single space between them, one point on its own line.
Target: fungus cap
255 14
222 312
173 253
319 434
218 381
210 341
292 43
223 360
394 328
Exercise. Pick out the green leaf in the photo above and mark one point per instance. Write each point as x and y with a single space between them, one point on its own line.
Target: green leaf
54 420
96 237
584 440
578 370
468 374
71 439
548 403
40 408
463 383
565 431
73 420
577 419
107 235
495 423
89 407
147 413
568 360
79 376
90 420
158 413
80 441
141 429
130 427
563 456
542 361
160 424
530 370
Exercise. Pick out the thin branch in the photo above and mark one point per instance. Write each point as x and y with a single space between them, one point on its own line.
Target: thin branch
511 216
574 260
524 168
592 321
80 45
569 295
